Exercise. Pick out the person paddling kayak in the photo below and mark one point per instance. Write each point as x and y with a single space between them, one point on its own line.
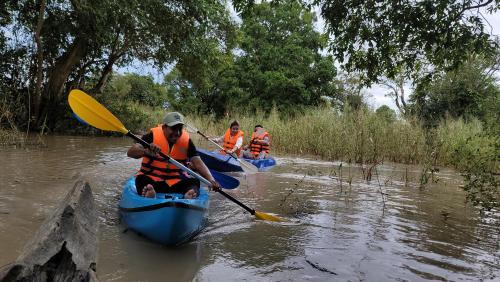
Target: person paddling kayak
232 140
156 173
259 145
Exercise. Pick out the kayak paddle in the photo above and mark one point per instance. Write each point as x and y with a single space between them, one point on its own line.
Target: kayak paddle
95 114
246 166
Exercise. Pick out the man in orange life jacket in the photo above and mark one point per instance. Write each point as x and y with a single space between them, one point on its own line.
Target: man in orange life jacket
259 145
159 175
232 139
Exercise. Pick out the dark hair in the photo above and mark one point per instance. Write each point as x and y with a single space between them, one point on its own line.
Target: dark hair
234 123
258 125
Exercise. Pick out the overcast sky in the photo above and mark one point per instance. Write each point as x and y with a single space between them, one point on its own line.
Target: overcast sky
375 95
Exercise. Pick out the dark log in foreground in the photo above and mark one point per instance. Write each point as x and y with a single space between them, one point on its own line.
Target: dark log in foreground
65 246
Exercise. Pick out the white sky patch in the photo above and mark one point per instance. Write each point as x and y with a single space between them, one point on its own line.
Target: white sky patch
143 68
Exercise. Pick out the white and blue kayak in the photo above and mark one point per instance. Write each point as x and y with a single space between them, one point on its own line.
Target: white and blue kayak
225 163
168 219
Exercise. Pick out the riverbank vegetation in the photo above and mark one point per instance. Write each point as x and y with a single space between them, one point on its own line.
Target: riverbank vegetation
272 66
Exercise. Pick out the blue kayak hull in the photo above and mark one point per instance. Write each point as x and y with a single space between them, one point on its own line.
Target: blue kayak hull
224 163
219 162
169 221
264 164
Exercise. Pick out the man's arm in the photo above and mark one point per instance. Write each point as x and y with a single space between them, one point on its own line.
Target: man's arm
138 151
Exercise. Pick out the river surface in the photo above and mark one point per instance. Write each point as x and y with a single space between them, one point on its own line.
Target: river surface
335 231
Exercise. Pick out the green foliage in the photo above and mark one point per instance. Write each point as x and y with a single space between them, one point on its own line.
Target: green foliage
481 174
137 117
466 92
386 113
281 62
136 100
137 88
277 62
81 41
474 153
383 38
182 94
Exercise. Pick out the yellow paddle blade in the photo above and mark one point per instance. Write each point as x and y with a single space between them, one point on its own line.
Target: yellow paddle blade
93 113
265 216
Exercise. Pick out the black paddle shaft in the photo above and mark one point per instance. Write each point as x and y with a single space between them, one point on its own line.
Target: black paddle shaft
204 136
237 202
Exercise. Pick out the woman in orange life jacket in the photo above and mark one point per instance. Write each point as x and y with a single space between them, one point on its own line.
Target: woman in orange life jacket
159 175
232 140
259 145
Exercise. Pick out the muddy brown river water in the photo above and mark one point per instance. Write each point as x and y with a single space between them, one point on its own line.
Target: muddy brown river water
335 231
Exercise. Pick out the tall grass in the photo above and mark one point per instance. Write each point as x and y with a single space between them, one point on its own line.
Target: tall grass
10 135
364 137
474 152
352 136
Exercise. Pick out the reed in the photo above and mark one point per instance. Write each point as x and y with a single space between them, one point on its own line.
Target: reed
364 137
10 135
351 136
361 136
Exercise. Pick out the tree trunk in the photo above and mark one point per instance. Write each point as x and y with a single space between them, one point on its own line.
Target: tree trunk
114 56
65 247
39 60
106 72
58 77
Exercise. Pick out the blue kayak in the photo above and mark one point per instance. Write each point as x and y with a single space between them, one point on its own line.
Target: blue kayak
167 219
264 164
224 163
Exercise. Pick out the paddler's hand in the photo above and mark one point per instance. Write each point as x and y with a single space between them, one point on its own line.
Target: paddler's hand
214 185
152 151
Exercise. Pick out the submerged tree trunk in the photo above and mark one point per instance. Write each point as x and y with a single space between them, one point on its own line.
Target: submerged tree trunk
65 246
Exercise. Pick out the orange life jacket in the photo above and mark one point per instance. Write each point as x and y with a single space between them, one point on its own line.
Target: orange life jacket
230 141
158 168
255 149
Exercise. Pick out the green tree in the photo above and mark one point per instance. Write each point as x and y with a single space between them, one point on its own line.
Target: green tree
137 88
470 91
386 113
385 38
277 61
280 61
181 92
77 43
